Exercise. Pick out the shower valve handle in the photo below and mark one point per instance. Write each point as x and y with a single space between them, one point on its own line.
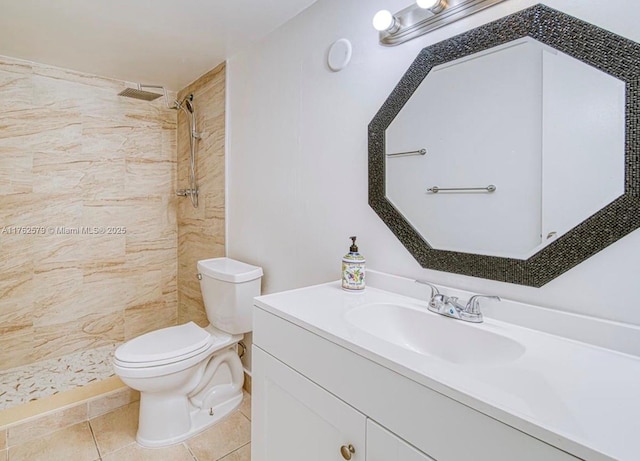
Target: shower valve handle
186 192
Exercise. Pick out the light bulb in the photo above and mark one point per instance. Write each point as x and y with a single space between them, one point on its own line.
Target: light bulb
426 4
384 21
435 6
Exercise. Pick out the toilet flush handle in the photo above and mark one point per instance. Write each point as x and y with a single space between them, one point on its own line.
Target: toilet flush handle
199 276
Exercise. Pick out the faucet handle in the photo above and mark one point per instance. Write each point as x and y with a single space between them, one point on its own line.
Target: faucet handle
473 306
434 289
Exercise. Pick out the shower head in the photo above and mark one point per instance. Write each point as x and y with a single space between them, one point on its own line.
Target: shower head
139 93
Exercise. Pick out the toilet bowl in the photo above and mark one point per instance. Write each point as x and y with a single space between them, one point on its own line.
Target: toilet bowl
190 377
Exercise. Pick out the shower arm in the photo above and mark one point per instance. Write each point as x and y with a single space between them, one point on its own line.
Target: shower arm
175 105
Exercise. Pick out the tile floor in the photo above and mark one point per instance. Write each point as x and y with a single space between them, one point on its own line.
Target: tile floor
111 437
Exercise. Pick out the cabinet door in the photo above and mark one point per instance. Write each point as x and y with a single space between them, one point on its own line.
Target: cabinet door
294 419
382 445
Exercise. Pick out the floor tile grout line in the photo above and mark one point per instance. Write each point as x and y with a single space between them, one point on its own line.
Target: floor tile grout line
95 440
193 455
233 451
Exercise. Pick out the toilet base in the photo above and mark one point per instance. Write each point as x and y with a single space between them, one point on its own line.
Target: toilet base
201 419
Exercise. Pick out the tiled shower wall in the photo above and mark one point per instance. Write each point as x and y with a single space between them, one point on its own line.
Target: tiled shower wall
74 154
201 231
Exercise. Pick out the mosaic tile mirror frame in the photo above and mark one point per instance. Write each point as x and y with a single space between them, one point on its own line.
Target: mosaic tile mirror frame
608 52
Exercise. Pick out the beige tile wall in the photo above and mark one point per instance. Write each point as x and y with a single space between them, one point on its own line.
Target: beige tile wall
73 153
201 231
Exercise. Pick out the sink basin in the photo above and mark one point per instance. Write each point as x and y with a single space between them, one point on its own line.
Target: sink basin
434 335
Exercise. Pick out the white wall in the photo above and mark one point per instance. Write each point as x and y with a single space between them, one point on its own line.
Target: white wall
297 158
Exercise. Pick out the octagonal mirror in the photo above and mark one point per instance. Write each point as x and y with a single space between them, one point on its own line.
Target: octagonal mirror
493 134
509 152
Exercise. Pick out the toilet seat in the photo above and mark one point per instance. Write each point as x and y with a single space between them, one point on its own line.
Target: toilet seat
164 346
216 340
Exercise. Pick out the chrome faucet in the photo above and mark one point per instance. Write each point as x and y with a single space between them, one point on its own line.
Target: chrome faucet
449 305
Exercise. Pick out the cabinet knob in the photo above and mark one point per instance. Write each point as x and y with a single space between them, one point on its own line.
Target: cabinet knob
346 451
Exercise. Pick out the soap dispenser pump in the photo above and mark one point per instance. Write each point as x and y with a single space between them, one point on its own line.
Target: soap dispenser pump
353 269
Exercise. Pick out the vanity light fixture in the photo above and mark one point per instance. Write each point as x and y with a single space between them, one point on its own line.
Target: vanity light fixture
422 17
384 21
436 6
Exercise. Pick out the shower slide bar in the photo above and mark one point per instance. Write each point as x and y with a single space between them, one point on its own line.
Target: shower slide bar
435 189
407 154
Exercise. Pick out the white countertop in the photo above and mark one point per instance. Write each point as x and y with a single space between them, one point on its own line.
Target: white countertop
578 397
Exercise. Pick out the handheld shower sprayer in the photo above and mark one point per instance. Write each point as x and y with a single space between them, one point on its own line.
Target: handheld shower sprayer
187 106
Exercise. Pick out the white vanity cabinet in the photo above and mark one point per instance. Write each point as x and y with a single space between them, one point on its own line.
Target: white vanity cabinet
297 419
294 419
312 396
382 445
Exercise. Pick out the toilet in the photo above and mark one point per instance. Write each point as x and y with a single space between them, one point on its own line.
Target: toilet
191 377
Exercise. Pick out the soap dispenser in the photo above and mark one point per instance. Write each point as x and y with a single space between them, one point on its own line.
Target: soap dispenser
353 269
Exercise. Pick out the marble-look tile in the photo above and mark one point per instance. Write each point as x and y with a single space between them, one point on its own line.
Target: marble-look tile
40 427
144 318
215 91
171 298
88 332
16 90
75 76
112 401
194 245
3 439
215 205
16 210
212 172
222 438
143 215
188 312
73 153
41 130
60 215
61 301
156 253
105 242
213 135
135 452
245 406
63 95
113 290
121 138
19 66
241 454
16 348
16 171
95 176
116 429
58 173
169 145
215 76
188 215
74 442
202 235
154 177
16 299
248 382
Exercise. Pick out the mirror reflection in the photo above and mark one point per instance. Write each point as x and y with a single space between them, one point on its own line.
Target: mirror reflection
545 129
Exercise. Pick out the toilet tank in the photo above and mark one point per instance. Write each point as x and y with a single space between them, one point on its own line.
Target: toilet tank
228 288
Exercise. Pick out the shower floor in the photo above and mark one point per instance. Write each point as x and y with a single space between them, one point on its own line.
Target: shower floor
31 382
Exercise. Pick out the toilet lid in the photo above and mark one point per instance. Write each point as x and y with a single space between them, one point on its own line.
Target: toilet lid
164 344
